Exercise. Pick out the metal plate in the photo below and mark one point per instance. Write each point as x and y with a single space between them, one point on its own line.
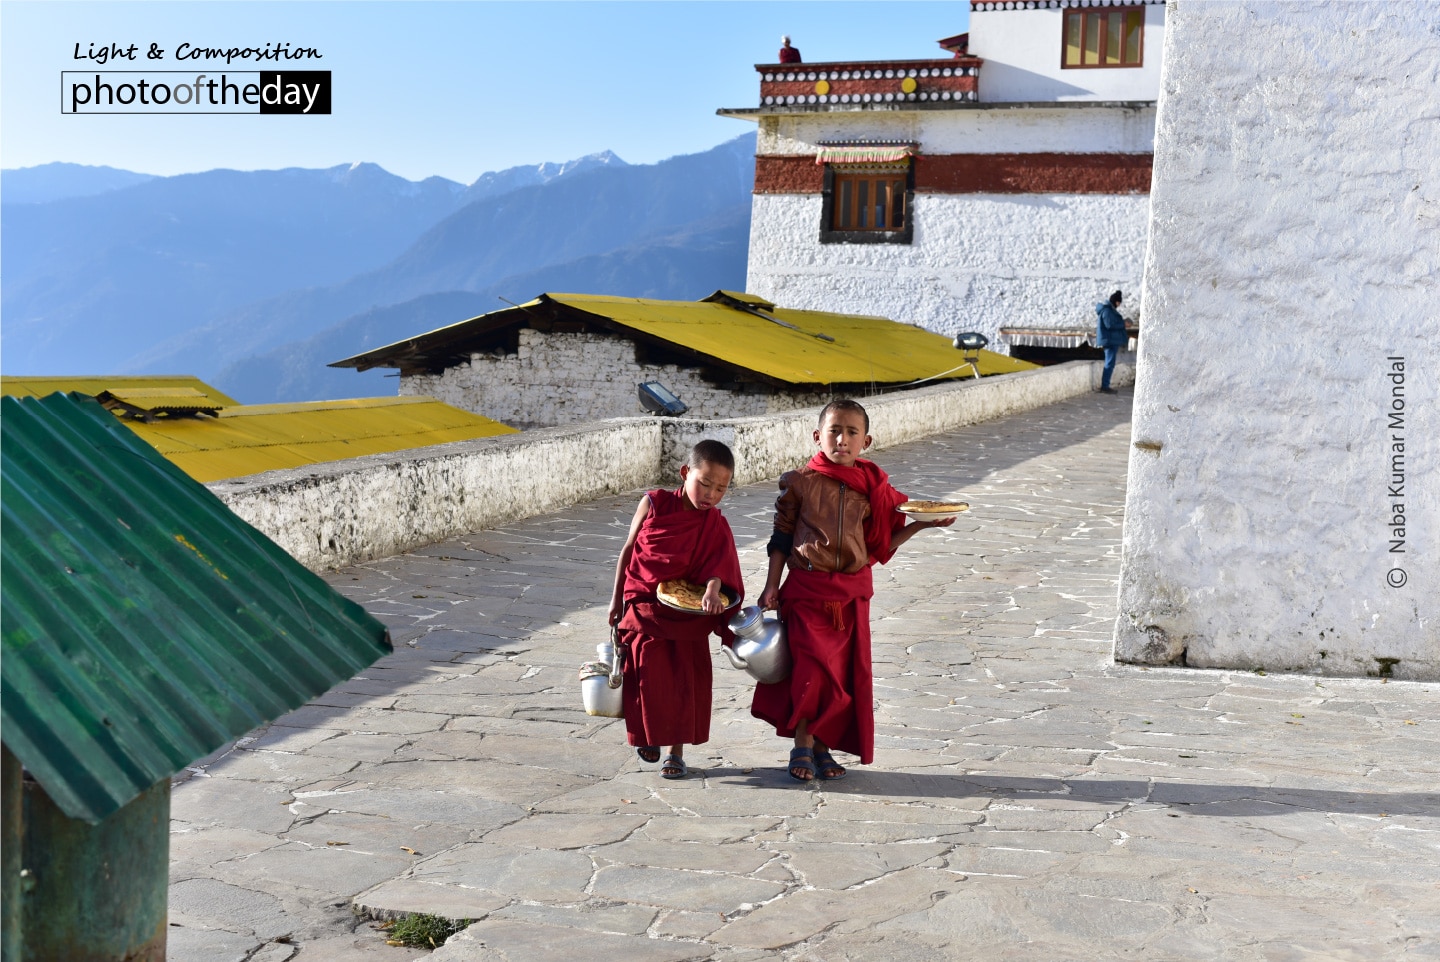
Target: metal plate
696 611
922 515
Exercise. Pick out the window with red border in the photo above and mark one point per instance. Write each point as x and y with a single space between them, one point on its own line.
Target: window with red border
1107 37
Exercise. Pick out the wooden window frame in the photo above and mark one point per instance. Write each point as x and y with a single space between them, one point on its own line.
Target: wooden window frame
895 235
1099 15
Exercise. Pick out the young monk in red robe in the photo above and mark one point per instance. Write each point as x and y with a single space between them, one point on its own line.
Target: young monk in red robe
679 534
835 518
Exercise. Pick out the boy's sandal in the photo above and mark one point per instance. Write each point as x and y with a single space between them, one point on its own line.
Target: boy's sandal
830 769
648 753
802 759
673 767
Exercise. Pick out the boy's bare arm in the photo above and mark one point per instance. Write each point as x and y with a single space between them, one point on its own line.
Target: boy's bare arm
617 596
770 597
713 602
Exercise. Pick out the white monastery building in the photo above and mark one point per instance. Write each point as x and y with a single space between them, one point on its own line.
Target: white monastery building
1003 188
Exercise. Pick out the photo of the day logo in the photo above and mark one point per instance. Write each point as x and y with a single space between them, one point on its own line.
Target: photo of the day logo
192 92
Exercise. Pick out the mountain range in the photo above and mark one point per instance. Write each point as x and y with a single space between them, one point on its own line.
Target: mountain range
256 280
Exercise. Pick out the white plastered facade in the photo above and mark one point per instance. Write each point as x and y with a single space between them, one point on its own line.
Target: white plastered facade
1294 254
1022 50
976 261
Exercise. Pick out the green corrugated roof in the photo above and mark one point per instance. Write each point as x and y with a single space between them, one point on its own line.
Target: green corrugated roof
144 625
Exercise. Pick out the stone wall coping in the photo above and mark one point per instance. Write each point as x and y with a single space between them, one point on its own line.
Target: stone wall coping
345 512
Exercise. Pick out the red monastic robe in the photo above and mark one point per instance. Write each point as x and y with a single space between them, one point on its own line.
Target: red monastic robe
668 682
827 628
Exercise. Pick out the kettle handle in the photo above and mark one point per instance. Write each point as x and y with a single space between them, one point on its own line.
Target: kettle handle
616 675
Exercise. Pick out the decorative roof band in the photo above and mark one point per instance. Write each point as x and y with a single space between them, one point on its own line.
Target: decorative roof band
990 5
872 154
867 142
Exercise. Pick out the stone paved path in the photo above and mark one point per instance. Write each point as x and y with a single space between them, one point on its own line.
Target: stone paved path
1029 801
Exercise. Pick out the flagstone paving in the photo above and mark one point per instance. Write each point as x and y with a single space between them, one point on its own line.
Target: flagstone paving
1029 801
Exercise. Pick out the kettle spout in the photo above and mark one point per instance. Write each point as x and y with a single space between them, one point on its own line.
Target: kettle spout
735 659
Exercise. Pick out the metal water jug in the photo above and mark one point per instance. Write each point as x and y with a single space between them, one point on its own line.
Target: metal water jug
600 682
759 646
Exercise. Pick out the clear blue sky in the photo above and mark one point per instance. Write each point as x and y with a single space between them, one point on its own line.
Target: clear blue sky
449 88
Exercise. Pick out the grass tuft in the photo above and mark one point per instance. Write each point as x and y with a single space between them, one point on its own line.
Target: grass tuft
423 931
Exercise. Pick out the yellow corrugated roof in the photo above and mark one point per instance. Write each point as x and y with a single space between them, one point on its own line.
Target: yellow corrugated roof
119 385
258 438
854 348
249 439
268 437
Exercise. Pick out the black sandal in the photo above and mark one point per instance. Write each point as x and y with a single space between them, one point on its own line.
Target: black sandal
803 759
648 753
674 767
830 769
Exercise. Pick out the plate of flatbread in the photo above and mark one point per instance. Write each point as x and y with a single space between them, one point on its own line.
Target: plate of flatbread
933 510
686 596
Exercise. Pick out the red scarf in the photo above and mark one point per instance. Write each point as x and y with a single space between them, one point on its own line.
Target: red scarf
868 478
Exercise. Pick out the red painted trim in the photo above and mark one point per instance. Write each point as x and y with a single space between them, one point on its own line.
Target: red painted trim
1033 173
789 175
981 174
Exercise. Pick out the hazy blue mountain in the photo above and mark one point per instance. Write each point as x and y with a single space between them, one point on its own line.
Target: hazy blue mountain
592 212
686 265
91 281
192 274
47 182
513 178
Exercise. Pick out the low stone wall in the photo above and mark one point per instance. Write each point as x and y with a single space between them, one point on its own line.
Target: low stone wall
343 512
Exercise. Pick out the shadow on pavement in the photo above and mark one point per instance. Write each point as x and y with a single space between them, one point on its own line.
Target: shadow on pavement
1196 798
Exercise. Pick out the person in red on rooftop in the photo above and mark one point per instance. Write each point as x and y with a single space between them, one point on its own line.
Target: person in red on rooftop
788 54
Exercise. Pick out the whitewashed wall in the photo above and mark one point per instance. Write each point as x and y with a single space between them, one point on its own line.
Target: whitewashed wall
977 262
1023 50
556 379
1007 130
1295 248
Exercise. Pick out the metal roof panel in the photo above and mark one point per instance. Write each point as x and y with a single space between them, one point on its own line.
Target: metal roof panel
268 437
11 386
733 329
794 346
143 623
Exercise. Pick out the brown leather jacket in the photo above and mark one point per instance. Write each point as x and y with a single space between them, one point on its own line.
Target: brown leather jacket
824 522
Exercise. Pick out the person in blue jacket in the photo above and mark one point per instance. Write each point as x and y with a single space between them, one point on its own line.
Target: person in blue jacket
1110 336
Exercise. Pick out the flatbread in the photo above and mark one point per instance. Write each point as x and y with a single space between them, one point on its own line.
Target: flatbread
933 507
685 594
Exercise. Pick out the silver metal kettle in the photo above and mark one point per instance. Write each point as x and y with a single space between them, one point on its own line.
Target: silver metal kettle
759 647
600 681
